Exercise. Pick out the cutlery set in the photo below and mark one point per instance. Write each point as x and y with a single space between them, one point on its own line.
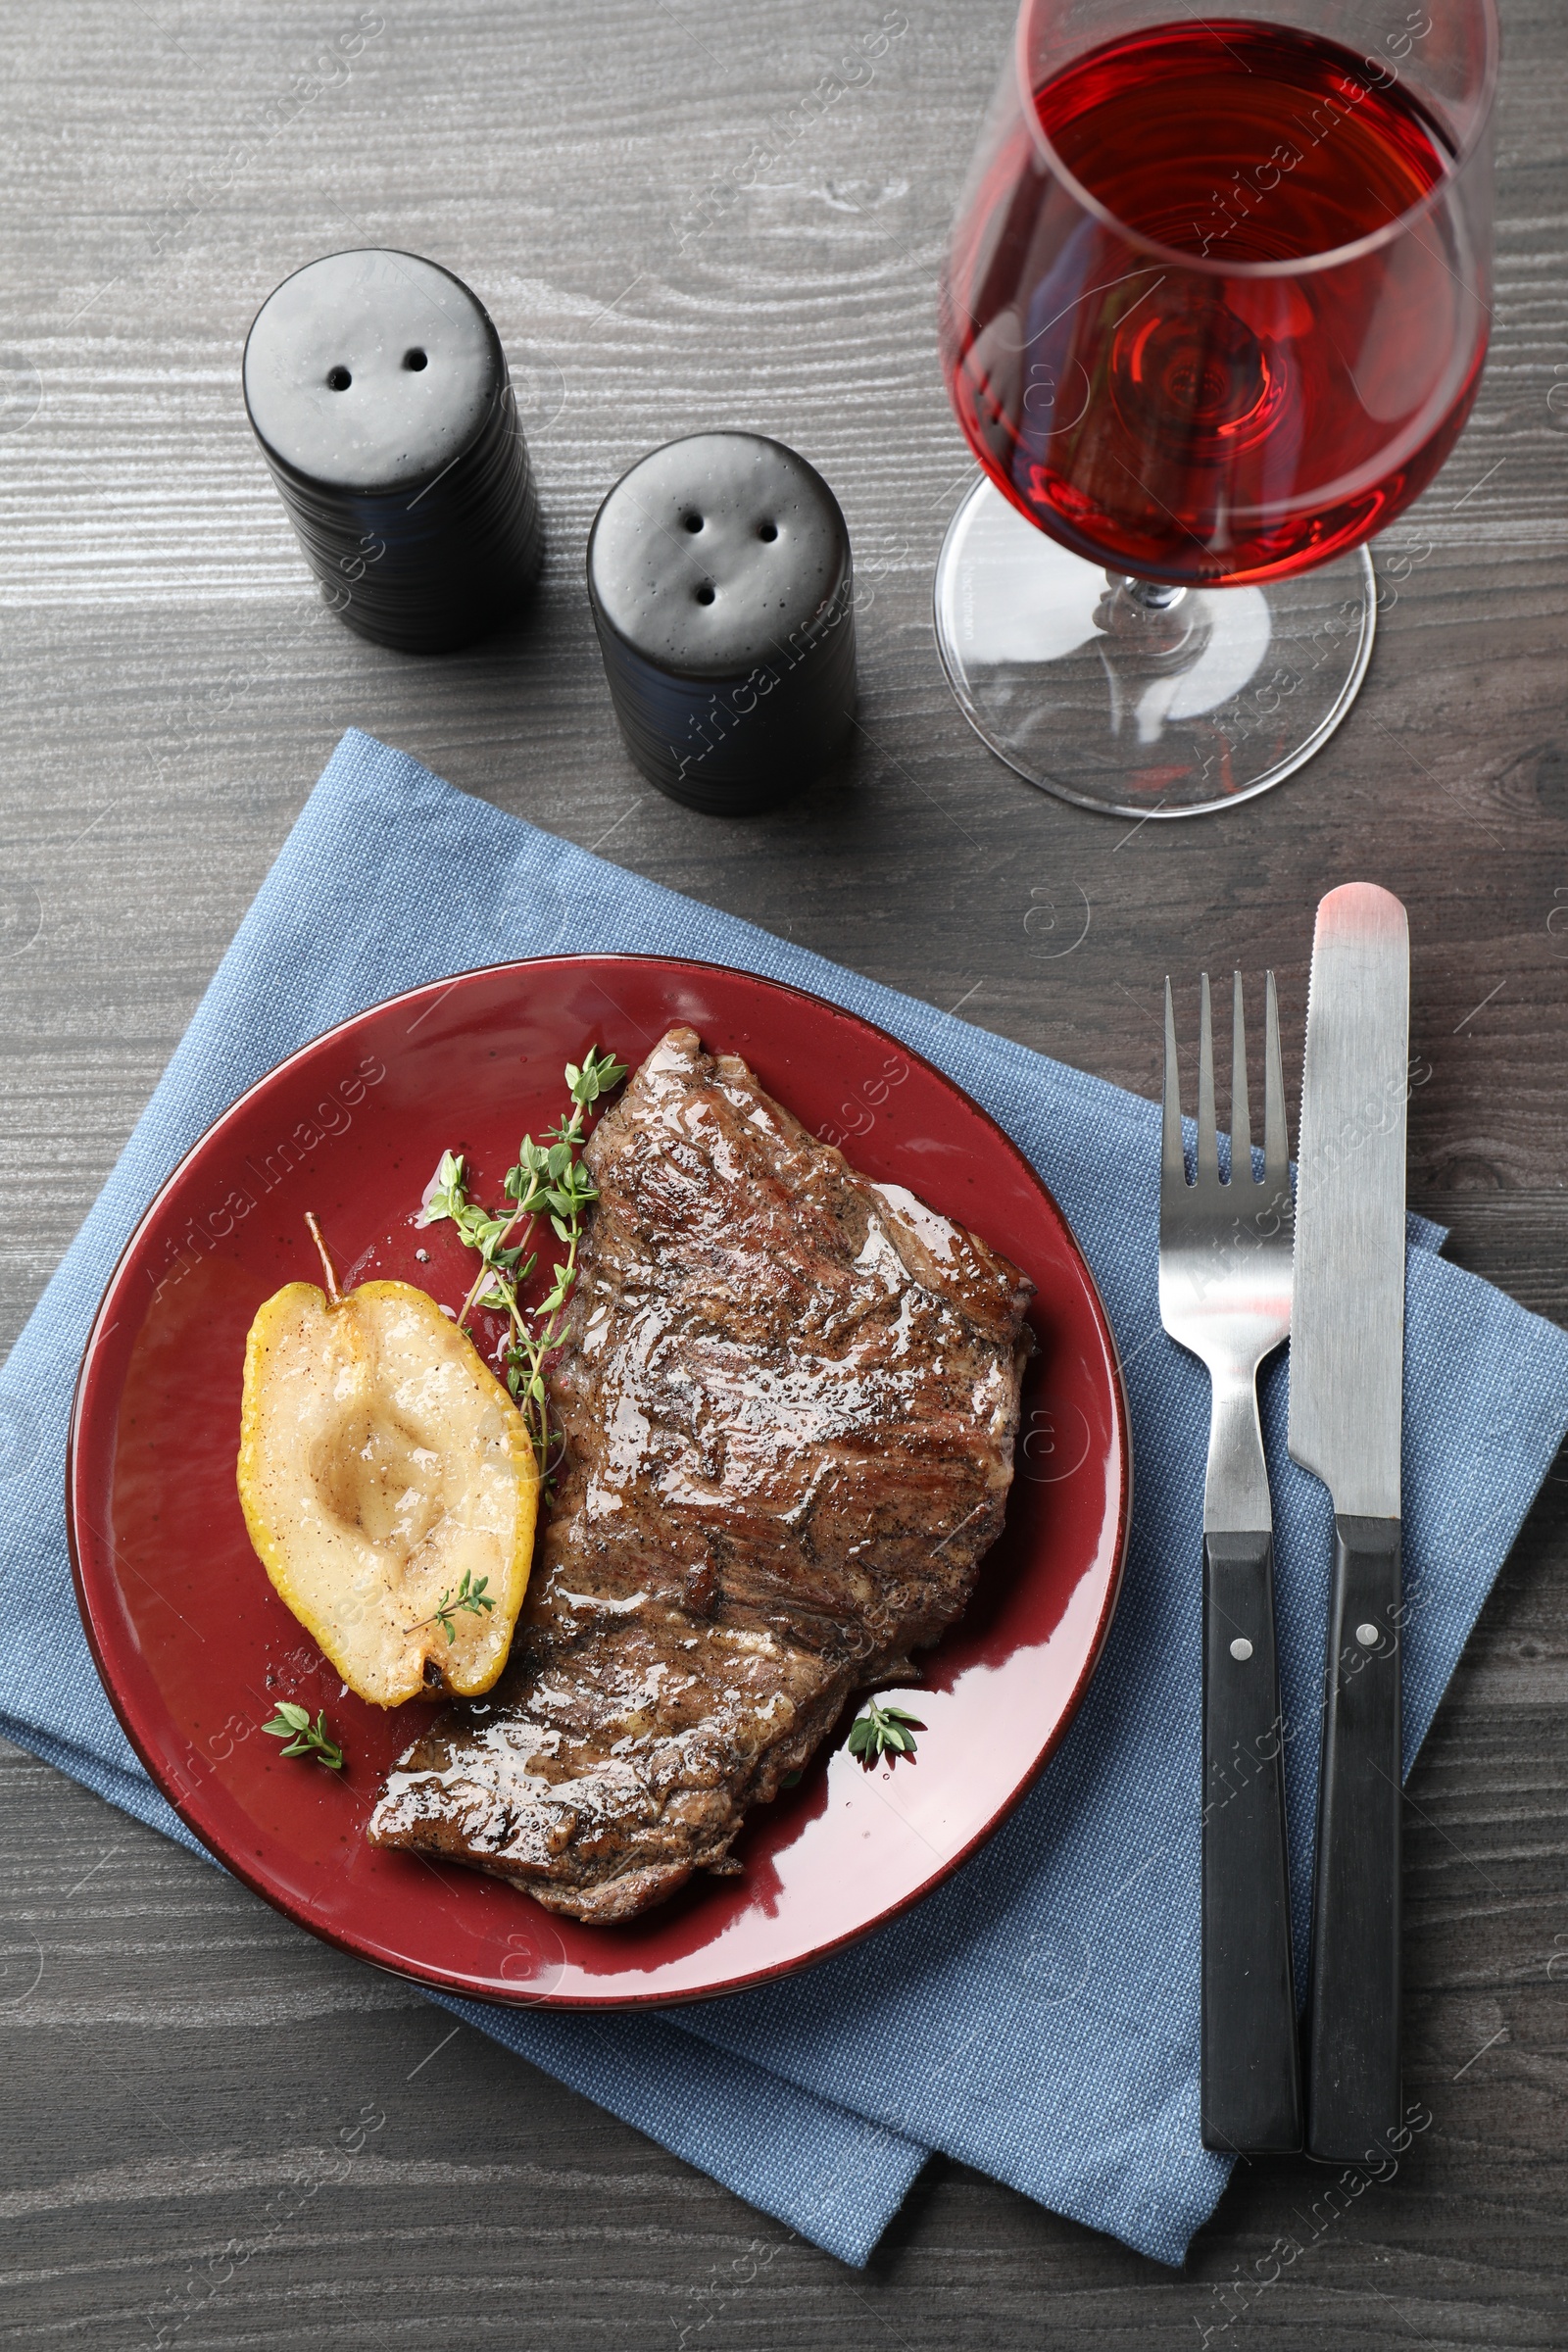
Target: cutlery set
1241 1269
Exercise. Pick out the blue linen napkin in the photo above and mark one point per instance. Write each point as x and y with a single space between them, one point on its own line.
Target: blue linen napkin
1037 2015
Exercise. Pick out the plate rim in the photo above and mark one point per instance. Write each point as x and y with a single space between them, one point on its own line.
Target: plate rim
431 1974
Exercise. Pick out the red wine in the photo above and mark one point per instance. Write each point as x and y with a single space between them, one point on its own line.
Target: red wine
1138 373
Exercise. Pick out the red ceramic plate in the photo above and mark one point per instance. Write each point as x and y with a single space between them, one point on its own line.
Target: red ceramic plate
195 1648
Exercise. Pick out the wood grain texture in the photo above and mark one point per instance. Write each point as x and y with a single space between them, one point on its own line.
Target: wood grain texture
179 2063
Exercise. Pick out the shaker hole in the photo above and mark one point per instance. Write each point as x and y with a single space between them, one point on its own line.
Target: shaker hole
414 359
767 530
693 523
704 594
338 379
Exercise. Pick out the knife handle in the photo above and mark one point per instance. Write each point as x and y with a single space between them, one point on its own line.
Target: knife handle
1252 2091
1353 2061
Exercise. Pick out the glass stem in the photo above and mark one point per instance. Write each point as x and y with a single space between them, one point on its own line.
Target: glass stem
1155 596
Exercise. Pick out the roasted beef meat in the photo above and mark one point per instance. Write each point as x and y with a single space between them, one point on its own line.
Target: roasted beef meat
789 1399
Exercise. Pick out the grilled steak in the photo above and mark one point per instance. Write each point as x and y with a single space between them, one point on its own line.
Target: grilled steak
789 1400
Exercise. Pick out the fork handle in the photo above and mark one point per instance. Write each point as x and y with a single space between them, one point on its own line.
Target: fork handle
1251 2087
1353 2101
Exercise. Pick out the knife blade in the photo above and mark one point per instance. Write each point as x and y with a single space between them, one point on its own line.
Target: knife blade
1346 1422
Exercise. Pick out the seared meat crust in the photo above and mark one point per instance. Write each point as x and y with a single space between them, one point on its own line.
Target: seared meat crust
789 1399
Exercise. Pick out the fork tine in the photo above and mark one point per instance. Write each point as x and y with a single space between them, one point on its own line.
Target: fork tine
1208 1147
1275 1135
1172 1159
1241 1115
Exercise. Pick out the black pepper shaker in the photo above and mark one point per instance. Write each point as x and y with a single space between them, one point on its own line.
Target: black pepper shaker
722 591
378 387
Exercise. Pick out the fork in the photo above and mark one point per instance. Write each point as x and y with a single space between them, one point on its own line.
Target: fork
1225 1254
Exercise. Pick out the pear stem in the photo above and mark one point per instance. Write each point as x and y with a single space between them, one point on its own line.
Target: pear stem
334 1297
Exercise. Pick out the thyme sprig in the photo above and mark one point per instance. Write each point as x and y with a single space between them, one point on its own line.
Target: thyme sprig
467 1596
881 1728
549 1181
305 1739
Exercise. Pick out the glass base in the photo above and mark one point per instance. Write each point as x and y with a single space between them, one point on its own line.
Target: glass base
1143 701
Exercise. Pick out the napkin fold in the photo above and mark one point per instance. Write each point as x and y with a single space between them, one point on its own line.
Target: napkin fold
1037 2015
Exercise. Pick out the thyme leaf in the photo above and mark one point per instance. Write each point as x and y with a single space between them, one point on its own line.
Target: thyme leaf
305 1739
471 1597
882 1730
549 1180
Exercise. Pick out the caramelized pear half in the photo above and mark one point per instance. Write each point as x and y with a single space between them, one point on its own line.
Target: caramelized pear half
385 1473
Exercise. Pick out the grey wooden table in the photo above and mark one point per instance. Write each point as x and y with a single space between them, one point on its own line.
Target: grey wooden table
707 212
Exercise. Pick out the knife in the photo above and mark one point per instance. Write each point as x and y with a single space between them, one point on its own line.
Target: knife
1347 1370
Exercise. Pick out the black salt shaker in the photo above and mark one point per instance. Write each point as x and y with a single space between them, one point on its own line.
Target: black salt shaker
377 388
720 581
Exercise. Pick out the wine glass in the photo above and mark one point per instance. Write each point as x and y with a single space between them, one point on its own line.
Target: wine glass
1215 310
